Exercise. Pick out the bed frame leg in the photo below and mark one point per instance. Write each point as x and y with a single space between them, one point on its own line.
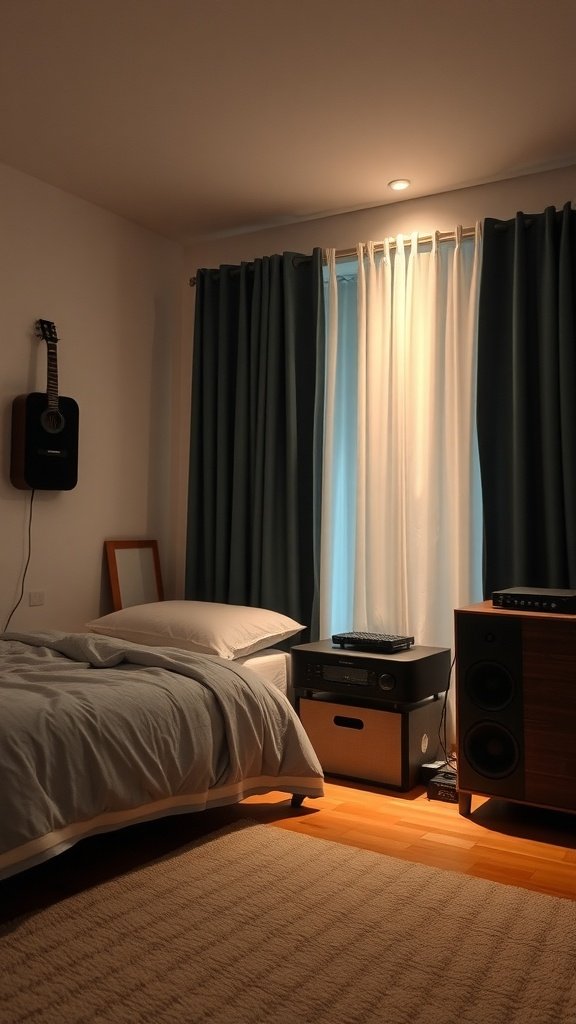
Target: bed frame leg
297 800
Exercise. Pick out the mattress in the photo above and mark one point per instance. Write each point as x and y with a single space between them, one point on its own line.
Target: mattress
273 666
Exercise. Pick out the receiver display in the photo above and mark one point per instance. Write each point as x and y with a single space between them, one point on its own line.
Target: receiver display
344 674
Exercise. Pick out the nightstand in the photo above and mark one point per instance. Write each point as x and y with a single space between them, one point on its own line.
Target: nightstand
373 717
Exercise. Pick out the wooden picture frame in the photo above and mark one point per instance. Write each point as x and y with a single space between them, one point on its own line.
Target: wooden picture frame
134 572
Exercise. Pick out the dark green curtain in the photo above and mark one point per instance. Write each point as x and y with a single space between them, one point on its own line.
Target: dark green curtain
526 403
256 436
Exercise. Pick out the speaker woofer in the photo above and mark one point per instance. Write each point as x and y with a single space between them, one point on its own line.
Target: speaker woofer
489 685
491 750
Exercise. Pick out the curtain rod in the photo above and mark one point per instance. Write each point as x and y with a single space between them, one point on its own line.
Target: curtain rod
442 236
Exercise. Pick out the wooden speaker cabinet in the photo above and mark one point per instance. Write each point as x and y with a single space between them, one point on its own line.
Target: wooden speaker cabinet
516 706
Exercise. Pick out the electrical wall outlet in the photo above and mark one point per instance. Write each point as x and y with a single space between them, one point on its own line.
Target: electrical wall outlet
36 597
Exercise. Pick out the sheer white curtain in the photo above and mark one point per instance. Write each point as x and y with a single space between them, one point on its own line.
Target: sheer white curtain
401 524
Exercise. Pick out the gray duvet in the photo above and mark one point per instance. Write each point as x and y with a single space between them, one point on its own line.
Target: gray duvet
96 733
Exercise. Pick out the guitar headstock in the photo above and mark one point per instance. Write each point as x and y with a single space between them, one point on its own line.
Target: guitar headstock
47 330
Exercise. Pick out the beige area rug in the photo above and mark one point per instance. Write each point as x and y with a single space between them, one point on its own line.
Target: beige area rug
256 923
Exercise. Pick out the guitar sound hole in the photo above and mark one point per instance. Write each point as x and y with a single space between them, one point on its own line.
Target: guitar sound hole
52 420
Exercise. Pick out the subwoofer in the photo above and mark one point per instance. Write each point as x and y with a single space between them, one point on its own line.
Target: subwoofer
516 706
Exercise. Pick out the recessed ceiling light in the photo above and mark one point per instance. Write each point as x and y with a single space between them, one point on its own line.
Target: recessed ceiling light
399 184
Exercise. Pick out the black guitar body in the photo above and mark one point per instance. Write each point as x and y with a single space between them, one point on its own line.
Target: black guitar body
44 443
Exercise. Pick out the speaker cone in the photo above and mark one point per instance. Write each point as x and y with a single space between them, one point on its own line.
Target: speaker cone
491 750
489 685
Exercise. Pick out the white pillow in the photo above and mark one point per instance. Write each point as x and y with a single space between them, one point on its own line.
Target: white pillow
228 630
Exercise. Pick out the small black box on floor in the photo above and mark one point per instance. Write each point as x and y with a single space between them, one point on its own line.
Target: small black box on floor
443 786
430 769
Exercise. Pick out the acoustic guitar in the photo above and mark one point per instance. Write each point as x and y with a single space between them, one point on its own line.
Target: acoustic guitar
44 453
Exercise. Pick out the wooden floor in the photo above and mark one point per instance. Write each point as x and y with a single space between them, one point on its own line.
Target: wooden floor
509 843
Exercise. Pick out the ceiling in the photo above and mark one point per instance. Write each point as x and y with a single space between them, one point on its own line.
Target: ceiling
200 118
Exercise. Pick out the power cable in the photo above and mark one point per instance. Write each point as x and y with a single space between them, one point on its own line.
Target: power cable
19 601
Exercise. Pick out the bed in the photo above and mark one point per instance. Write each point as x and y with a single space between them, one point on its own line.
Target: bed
98 731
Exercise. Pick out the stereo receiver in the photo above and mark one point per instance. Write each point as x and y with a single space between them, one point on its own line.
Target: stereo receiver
536 599
405 677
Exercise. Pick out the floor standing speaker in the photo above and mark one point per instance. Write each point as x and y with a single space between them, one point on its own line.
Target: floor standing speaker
516 706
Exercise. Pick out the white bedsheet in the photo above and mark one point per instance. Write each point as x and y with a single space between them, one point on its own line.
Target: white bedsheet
271 665
96 733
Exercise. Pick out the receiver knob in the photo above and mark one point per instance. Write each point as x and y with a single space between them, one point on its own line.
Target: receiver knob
386 682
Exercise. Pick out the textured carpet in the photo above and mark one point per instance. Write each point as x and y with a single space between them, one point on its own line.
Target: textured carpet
256 923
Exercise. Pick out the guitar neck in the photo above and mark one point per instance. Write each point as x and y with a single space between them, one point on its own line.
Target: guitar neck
52 384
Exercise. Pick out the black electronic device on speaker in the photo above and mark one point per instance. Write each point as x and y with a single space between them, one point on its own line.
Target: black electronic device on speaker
44 452
536 599
516 706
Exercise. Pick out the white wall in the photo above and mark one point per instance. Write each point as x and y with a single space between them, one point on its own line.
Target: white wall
114 292
442 212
